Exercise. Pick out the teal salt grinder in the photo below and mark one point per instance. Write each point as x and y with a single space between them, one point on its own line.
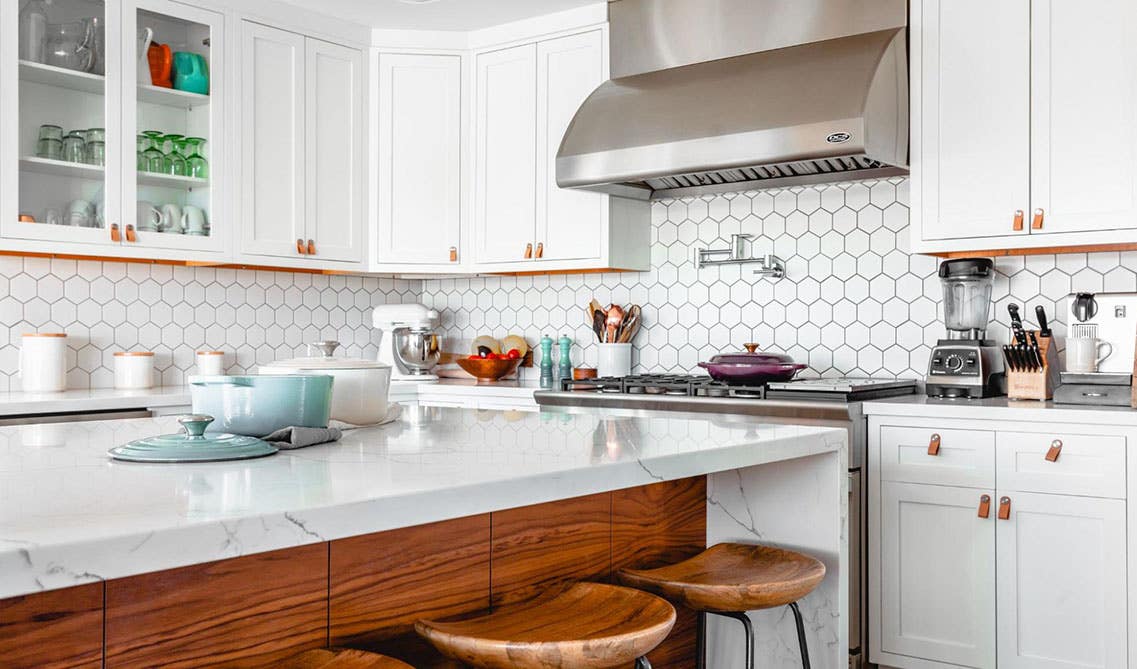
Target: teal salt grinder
564 362
546 344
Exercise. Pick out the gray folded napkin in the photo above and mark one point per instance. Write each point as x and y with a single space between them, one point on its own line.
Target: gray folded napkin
288 438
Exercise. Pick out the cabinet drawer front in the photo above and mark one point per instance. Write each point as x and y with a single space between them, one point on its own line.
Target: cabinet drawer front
964 457
1086 464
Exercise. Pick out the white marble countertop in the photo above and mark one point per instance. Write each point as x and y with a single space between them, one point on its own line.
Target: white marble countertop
18 403
69 514
1000 408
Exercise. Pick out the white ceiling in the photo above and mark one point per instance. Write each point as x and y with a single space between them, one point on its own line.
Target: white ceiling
439 14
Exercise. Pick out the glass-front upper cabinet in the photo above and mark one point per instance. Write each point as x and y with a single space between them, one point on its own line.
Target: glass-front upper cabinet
174 120
110 125
60 120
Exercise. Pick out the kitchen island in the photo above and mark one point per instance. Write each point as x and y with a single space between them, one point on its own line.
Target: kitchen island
349 543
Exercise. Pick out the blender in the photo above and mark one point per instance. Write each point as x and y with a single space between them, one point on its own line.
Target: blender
966 364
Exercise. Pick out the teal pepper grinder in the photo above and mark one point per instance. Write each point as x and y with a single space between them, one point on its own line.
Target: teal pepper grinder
564 362
546 344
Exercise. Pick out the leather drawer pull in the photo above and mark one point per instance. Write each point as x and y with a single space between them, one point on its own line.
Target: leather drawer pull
934 445
1018 225
985 506
1055 449
1005 508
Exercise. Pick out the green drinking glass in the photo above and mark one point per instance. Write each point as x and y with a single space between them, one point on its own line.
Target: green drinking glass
153 160
196 163
174 162
141 144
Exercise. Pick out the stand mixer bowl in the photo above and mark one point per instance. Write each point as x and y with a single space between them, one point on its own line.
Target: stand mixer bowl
417 349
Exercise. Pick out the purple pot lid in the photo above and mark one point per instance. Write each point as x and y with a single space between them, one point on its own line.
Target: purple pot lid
751 357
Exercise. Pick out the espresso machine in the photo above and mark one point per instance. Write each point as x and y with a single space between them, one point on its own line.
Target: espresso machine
409 343
966 364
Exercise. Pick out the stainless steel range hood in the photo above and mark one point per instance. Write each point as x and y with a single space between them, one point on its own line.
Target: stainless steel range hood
728 95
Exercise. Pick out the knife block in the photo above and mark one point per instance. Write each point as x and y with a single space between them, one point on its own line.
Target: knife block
1036 385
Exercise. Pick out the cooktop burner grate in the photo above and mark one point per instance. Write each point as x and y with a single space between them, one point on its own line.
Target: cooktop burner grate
684 385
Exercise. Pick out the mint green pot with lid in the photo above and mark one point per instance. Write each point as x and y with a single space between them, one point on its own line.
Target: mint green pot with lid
259 405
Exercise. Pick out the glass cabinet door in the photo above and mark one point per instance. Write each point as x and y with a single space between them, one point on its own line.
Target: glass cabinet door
173 144
61 129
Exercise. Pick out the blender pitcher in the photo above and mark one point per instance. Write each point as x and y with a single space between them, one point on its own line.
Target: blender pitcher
967 284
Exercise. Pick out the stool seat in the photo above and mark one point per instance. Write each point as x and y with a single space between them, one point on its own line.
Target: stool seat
341 659
587 626
732 578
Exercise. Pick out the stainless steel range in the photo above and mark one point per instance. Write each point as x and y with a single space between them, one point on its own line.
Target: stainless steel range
830 402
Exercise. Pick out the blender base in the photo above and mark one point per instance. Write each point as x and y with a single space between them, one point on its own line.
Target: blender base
965 369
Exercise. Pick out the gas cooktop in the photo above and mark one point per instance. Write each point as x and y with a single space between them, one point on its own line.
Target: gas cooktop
844 389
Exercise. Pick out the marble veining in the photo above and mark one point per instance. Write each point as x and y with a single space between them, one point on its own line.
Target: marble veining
70 515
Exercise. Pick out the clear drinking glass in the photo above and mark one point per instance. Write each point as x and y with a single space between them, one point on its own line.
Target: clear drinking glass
74 148
196 164
153 158
174 163
49 131
96 153
95 135
49 148
141 144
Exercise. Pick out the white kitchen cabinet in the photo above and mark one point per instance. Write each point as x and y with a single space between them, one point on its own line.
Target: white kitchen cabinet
526 96
1024 124
1061 582
273 141
301 158
334 151
937 558
107 94
1040 582
506 191
419 205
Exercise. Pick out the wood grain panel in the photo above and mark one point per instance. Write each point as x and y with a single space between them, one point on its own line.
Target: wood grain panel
245 612
541 549
58 628
382 583
657 525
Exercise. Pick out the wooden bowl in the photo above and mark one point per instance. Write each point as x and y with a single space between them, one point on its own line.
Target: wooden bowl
487 370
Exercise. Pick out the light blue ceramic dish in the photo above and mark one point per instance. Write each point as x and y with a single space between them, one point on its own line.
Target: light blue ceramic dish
259 405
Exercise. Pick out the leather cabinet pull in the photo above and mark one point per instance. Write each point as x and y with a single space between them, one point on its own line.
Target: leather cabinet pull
116 236
540 249
130 236
1055 449
1019 217
300 246
311 247
1004 508
934 445
1036 222
528 251
985 506
453 254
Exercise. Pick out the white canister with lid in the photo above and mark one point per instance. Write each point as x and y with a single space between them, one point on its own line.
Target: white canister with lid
210 363
133 370
359 392
43 362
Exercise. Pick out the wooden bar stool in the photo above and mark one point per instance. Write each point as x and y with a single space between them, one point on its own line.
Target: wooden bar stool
729 580
588 626
341 659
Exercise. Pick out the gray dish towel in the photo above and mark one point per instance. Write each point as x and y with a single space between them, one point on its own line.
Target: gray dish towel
289 438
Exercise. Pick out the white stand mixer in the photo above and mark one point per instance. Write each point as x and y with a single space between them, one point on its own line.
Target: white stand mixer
409 343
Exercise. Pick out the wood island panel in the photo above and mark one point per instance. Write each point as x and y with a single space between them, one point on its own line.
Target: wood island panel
55 629
540 549
248 611
657 525
382 583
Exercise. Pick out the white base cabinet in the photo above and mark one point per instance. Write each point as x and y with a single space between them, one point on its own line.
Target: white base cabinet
996 544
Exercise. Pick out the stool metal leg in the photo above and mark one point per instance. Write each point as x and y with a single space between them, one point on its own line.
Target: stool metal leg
745 620
701 641
643 663
800 635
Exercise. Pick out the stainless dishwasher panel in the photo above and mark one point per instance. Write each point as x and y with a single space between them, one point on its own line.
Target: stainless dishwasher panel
43 418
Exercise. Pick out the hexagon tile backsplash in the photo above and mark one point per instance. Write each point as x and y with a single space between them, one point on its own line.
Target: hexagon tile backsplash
255 316
853 302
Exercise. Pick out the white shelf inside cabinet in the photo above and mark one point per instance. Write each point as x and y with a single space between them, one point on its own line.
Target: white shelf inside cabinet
61 168
62 77
170 181
170 97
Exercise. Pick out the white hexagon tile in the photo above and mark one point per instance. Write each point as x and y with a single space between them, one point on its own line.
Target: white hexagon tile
853 302
255 316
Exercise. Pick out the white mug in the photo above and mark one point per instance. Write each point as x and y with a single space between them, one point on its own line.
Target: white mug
149 218
172 219
80 214
1083 355
193 220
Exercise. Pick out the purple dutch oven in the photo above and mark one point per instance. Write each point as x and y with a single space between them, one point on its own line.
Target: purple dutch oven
751 367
